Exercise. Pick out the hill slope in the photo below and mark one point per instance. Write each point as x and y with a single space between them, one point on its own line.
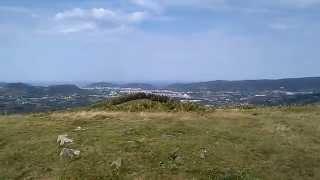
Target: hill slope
293 84
64 90
2 84
22 89
101 85
268 143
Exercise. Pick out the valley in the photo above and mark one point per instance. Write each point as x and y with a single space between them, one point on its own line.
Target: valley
25 98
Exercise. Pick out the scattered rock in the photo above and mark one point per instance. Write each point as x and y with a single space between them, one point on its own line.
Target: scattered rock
69 153
174 154
282 128
179 160
161 164
63 139
117 164
175 158
80 129
116 167
167 136
141 140
203 153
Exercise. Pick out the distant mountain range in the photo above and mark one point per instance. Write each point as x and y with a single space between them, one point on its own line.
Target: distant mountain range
22 89
128 85
2 84
291 84
101 85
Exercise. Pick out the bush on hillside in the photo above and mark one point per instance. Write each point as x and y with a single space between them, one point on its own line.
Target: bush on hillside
147 102
137 96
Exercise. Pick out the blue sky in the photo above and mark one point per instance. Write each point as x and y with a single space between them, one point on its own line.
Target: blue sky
166 40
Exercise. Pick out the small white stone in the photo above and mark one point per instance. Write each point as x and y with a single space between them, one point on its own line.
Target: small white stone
79 129
69 153
63 139
203 153
117 164
76 152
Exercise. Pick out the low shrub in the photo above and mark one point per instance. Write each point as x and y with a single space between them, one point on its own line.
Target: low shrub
147 102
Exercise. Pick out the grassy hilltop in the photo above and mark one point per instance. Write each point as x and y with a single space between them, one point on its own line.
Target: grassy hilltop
162 140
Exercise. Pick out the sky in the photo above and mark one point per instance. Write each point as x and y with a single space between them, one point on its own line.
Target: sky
158 40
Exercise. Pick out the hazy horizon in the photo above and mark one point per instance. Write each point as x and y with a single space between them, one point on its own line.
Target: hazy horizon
155 82
158 40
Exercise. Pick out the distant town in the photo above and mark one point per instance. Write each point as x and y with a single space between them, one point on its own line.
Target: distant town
25 98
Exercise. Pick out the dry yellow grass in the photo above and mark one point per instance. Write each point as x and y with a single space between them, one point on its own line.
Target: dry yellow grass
263 143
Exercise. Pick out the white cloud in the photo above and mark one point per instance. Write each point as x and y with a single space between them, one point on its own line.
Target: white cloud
95 13
77 28
134 12
91 19
137 17
101 14
74 13
156 6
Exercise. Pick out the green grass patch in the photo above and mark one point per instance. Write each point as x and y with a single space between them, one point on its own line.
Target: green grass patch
231 144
